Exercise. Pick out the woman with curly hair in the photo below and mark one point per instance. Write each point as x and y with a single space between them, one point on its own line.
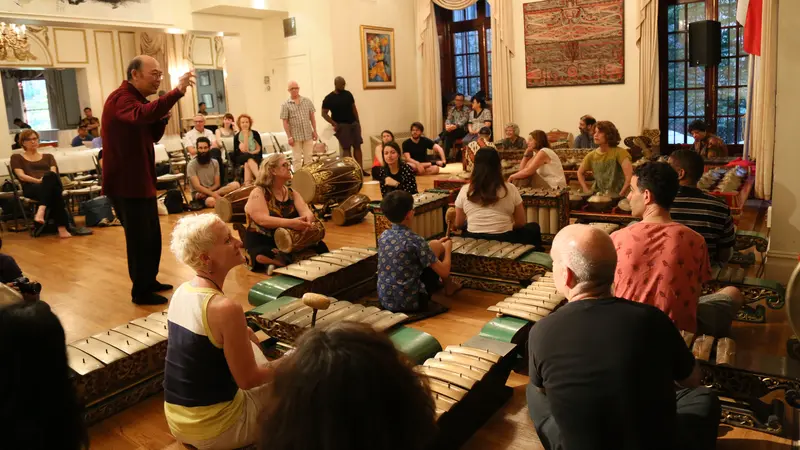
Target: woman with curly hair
610 164
346 387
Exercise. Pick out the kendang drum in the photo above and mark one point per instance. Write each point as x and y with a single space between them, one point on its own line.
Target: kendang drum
230 208
351 210
328 180
290 241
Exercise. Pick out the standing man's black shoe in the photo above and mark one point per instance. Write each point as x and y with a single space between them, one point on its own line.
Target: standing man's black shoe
160 287
150 299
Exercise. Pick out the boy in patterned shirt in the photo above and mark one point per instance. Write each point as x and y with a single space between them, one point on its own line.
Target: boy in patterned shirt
409 267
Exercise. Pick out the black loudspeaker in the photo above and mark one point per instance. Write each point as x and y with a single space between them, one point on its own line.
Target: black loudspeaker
289 27
705 38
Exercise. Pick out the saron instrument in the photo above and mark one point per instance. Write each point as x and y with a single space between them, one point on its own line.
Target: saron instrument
547 207
351 210
328 180
290 241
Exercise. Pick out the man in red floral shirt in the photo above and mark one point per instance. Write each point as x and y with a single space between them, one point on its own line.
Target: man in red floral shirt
664 263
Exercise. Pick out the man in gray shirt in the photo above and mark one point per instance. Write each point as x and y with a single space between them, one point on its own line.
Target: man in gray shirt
586 138
203 173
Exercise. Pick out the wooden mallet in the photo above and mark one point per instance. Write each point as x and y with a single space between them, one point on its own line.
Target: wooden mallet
315 302
449 219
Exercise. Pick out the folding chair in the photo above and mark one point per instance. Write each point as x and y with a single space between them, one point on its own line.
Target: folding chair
177 164
22 202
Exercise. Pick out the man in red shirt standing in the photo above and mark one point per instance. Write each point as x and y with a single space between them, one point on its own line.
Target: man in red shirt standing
664 263
130 127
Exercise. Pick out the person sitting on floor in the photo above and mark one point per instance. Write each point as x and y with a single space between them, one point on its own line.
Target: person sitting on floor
247 148
83 139
480 118
409 268
664 263
610 165
351 364
40 181
215 376
586 137
540 166
707 144
273 205
603 369
492 208
415 150
455 127
395 174
377 159
199 131
203 173
484 141
702 212
512 141
40 410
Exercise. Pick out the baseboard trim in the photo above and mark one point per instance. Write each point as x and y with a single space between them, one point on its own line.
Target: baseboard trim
783 255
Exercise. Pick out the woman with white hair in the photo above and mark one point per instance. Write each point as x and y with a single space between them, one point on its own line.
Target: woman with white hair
512 141
215 375
273 205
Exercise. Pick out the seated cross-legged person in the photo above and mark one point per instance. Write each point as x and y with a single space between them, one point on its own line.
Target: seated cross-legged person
395 174
40 181
603 369
273 205
349 364
377 159
409 268
199 130
203 172
415 150
215 377
707 144
491 207
702 212
484 141
540 166
664 263
512 141
610 165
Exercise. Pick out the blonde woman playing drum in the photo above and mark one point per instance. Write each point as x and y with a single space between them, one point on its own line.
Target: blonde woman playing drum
272 205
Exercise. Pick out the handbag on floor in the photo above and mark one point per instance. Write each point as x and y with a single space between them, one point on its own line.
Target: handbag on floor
173 200
96 210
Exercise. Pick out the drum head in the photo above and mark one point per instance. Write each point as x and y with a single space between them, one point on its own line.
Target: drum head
303 182
338 216
224 209
283 240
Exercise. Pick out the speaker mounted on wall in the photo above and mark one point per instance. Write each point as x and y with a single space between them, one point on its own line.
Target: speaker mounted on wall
705 39
289 27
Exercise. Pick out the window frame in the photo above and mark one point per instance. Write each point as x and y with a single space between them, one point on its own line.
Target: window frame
710 89
447 29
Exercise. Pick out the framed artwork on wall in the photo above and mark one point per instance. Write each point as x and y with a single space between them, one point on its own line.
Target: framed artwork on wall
569 43
378 58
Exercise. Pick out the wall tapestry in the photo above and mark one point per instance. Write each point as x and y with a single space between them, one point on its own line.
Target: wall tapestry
377 58
574 42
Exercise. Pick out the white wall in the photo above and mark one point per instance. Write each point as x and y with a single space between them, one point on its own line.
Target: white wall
785 237
379 109
562 107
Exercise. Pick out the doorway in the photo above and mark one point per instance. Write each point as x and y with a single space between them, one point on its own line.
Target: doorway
211 90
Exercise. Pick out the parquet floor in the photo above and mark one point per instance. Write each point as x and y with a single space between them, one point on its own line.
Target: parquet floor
86 282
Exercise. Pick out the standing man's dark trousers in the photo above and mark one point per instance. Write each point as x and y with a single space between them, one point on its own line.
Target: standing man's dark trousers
139 217
449 138
696 422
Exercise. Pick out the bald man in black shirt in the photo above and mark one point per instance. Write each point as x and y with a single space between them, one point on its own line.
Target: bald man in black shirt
603 369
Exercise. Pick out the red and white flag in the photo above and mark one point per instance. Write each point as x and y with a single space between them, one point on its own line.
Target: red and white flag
748 13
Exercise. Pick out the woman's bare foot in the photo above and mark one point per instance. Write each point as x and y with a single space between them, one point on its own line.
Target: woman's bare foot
39 217
63 233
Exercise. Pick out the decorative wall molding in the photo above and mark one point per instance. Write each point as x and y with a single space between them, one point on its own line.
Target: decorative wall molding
123 61
219 52
101 67
61 34
37 52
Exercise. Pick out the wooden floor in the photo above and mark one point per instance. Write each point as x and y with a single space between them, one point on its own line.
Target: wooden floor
86 282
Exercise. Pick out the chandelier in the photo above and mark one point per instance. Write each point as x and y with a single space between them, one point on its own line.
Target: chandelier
14 43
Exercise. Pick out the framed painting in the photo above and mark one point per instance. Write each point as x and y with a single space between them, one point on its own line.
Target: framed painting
378 58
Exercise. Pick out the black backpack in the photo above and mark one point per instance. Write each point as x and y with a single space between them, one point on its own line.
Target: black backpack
173 200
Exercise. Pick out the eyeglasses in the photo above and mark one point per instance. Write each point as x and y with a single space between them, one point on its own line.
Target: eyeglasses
30 139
